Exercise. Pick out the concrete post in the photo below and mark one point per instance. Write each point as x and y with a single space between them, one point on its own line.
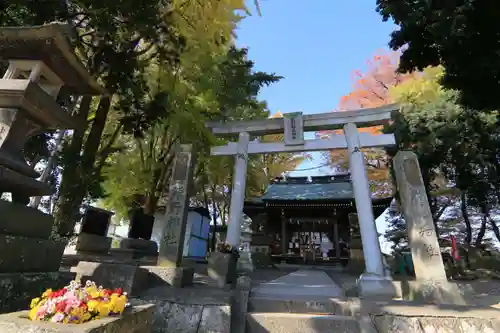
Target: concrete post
373 281
362 195
238 191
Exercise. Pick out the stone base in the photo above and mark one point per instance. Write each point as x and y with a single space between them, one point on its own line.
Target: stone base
140 245
18 289
35 224
245 262
132 279
130 255
370 285
89 243
23 254
178 277
433 292
136 320
222 269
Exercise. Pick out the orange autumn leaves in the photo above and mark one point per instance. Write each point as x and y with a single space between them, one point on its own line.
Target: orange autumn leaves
371 89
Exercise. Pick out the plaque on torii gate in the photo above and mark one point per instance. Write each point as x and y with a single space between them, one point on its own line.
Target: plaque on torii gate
294 128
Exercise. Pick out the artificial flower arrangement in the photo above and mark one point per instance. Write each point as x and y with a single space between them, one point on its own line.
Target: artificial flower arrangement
227 248
77 304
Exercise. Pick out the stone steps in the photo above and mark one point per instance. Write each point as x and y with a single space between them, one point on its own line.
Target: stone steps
303 305
276 322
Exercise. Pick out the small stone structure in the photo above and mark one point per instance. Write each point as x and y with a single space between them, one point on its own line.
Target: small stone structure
41 63
93 233
245 262
356 263
135 320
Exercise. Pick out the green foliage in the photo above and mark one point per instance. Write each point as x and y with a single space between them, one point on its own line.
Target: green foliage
459 35
227 88
456 147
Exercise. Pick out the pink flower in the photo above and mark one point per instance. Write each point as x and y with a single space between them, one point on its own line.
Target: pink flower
42 311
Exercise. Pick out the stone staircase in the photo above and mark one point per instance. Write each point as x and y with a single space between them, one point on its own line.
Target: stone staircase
305 315
304 301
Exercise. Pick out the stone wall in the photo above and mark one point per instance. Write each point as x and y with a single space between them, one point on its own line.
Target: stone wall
409 317
193 310
402 324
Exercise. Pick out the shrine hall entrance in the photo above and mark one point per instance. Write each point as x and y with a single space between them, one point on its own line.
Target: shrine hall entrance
310 241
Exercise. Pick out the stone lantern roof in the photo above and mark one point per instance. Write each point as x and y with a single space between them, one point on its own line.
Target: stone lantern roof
50 43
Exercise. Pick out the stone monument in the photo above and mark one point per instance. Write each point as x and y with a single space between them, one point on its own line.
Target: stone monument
41 62
93 233
170 257
431 281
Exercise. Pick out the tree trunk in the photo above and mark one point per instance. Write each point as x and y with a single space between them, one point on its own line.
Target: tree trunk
65 210
465 215
78 180
494 226
150 204
468 228
482 231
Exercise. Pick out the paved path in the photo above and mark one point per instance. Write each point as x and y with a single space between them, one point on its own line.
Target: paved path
311 283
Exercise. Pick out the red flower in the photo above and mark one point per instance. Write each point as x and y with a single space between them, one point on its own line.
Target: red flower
61 306
118 291
107 292
58 293
83 305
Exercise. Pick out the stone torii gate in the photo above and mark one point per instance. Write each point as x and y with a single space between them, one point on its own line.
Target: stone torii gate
293 126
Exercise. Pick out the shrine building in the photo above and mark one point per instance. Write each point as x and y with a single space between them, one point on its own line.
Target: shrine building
302 220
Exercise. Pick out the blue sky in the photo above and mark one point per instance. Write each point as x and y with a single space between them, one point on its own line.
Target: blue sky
314 45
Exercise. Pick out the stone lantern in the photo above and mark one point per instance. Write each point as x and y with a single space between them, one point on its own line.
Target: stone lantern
40 63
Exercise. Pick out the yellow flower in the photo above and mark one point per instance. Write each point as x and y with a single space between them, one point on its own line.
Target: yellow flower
95 294
32 313
34 302
119 304
47 293
92 305
86 317
103 309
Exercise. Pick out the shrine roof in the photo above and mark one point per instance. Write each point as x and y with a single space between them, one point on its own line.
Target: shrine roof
340 190
51 44
336 187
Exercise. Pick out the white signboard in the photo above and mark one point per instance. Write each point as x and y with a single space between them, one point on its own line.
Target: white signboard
294 128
